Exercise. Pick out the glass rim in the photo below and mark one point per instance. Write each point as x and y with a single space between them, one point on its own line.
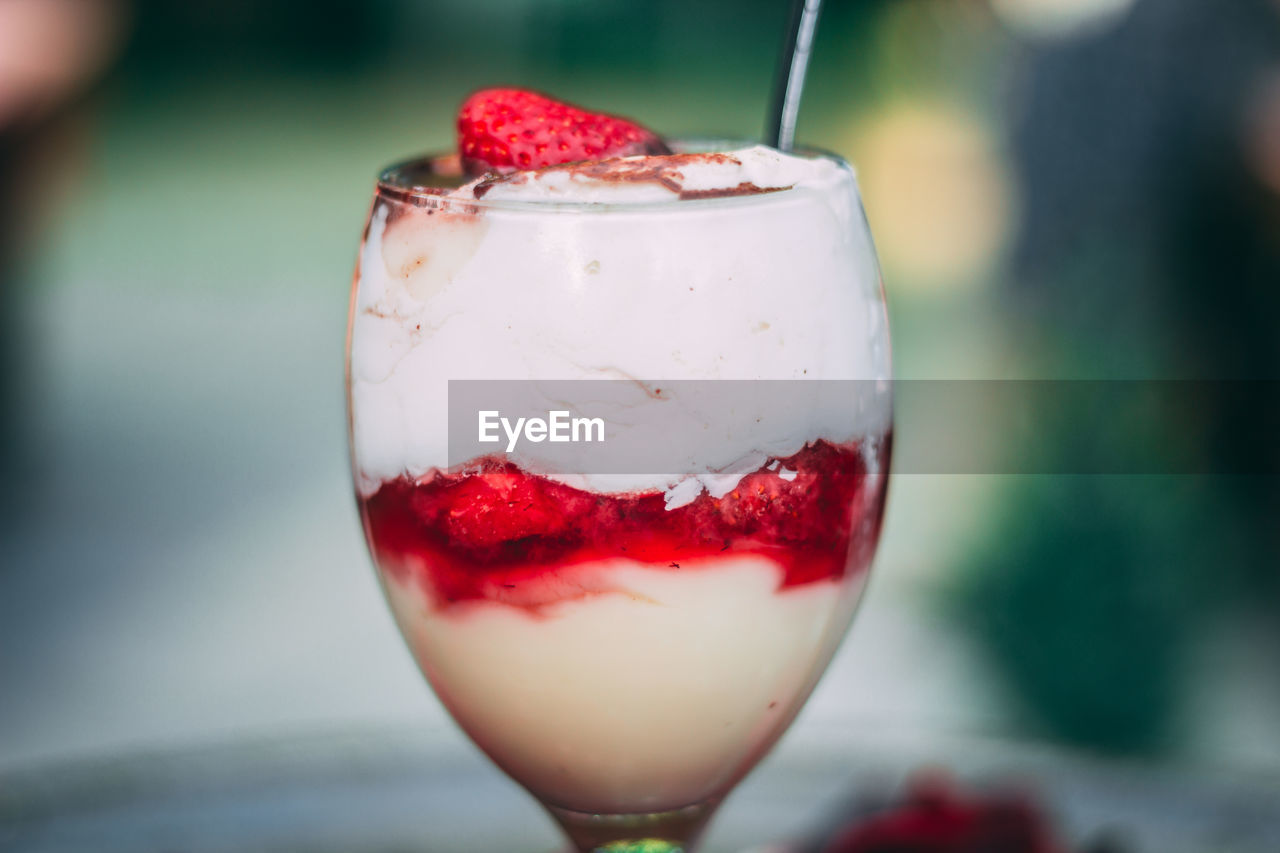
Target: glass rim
398 184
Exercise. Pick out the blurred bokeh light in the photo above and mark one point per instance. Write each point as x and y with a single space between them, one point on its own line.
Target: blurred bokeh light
932 174
1059 18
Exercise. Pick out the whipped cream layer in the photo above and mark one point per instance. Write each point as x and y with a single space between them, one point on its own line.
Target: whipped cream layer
749 264
656 695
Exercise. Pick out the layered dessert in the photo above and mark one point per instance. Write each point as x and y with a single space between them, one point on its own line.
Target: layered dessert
628 642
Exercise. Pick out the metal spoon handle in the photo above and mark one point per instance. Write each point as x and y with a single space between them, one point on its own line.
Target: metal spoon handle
780 131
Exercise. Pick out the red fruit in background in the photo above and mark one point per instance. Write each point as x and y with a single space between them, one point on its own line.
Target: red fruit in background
937 817
503 130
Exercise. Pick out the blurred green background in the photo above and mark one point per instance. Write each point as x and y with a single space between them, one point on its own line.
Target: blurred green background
1058 189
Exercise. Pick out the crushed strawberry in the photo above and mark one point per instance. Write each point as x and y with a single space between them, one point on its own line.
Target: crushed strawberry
807 512
503 130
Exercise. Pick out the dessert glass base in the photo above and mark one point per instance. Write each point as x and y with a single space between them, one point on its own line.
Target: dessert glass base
661 832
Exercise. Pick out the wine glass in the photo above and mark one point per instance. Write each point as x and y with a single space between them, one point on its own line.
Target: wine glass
626 649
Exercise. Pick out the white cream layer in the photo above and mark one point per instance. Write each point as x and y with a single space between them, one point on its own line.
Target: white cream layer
782 285
651 698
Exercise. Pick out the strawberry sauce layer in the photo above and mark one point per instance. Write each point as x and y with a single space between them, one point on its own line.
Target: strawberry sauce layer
492 529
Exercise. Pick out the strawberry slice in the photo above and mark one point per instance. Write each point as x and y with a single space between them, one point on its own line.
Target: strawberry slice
502 130
500 506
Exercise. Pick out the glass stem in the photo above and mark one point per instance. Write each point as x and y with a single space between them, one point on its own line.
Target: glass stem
661 832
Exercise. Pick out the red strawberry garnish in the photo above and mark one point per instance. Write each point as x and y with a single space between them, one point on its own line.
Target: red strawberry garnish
502 130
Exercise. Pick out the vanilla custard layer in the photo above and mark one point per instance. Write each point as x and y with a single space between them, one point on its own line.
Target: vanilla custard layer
653 697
